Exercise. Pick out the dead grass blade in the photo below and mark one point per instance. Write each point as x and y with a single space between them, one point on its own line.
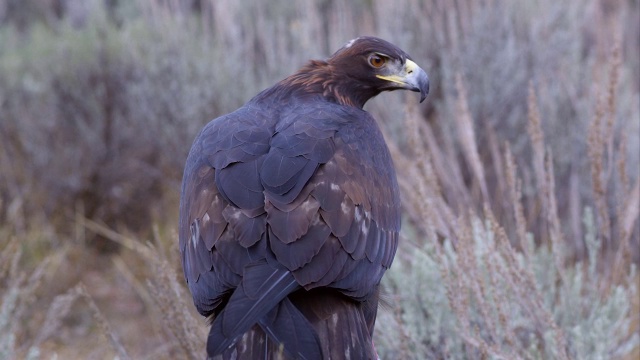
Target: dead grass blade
466 133
536 135
514 185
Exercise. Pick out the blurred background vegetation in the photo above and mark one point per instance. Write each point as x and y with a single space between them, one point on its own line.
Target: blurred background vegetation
520 173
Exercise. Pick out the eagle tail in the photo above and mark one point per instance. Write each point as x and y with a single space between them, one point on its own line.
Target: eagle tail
269 316
261 289
309 326
343 326
254 345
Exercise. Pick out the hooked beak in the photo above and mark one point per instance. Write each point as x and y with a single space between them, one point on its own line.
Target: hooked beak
410 77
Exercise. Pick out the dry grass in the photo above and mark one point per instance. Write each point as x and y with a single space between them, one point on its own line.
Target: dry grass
520 175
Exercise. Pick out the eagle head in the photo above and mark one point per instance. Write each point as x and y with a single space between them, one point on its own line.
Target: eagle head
358 71
368 65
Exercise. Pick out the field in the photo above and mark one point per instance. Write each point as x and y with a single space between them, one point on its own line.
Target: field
520 173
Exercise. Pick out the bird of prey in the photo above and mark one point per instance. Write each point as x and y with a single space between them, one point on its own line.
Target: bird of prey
290 211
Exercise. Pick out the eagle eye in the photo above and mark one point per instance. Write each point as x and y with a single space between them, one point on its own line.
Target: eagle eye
377 61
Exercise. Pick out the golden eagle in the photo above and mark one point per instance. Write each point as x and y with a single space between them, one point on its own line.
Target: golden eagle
290 211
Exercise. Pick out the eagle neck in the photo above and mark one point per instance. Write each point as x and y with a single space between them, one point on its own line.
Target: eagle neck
320 77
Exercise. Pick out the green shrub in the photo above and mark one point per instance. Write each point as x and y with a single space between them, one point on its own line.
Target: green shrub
487 300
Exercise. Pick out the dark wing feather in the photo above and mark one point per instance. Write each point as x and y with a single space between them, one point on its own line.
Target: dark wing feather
288 326
210 225
327 264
